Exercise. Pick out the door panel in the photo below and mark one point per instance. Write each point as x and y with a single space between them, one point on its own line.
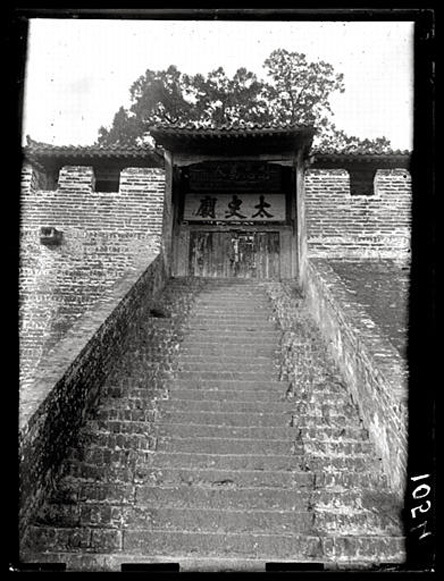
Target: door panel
234 254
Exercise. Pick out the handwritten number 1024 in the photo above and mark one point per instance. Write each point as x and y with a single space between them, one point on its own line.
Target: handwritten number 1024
421 492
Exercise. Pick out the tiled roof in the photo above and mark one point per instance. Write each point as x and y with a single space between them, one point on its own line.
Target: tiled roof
358 154
188 133
41 151
234 129
331 159
233 139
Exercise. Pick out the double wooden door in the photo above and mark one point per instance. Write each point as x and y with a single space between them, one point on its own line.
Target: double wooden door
234 254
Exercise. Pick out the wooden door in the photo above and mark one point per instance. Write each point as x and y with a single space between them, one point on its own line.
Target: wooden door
234 254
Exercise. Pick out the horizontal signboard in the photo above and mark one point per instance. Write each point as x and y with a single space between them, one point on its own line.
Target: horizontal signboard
234 207
234 177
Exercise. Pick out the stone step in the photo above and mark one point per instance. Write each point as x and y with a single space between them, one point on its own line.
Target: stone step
212 478
230 302
119 427
246 391
223 308
373 479
118 441
235 417
231 290
231 339
242 413
264 546
201 461
103 456
175 519
357 523
278 419
238 357
210 316
84 561
347 432
245 331
236 335
235 392
374 549
274 547
323 406
189 430
147 393
237 375
228 496
185 430
266 384
214 519
266 368
88 483
334 449
230 293
230 306
307 401
340 463
118 414
125 403
225 498
224 406
72 491
111 472
253 407
239 394
228 446
206 348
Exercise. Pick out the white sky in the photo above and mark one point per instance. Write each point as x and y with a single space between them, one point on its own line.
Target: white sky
79 71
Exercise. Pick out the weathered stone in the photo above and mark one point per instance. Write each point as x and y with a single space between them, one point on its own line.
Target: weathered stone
205 468
220 545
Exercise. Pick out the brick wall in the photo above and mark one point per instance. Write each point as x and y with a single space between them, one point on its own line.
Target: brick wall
104 235
375 372
342 225
55 405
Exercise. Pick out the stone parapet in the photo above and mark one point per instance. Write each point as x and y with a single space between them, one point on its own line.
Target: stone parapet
375 372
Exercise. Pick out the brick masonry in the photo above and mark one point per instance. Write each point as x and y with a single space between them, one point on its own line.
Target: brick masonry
342 225
104 235
79 300
54 407
389 281
374 370
158 472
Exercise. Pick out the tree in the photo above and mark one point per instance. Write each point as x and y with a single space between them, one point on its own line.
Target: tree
296 92
336 140
220 100
299 90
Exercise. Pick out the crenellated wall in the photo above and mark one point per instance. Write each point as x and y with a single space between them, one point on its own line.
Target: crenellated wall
80 297
341 224
104 234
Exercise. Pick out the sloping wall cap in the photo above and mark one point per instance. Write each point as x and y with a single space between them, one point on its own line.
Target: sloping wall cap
231 140
50 156
329 160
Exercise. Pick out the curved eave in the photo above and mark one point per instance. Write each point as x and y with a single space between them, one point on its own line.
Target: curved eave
330 160
51 157
233 141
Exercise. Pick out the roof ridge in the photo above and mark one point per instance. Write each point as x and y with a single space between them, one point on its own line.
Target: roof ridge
236 126
331 151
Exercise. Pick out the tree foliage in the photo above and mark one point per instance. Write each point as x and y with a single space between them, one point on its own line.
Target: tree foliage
294 92
299 90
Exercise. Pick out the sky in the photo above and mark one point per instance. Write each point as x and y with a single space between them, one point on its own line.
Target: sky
78 72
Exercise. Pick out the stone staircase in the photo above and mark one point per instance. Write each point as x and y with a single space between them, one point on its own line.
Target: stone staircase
220 466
